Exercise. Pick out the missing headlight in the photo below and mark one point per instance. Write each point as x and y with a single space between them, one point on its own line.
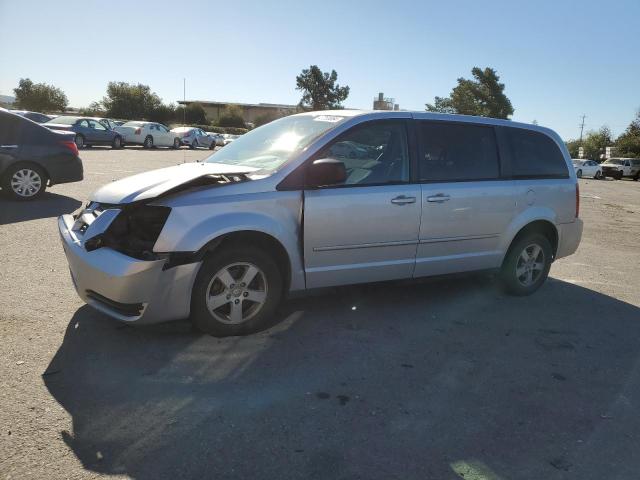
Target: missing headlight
133 232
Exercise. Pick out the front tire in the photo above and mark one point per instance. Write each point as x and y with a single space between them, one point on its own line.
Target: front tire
148 142
24 182
527 264
79 141
598 175
194 145
236 292
176 143
117 143
579 173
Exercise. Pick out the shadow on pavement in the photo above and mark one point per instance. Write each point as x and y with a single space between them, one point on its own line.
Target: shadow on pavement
49 205
405 380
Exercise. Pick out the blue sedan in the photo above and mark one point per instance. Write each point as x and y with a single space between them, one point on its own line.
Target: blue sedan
89 131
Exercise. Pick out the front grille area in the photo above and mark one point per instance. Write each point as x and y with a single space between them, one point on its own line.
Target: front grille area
127 309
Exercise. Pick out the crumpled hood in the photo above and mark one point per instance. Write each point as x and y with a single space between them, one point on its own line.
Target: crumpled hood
150 184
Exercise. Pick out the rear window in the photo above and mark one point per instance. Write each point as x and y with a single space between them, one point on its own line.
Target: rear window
457 152
16 130
134 124
64 120
535 155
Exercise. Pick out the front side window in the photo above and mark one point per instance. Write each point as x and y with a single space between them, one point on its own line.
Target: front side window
535 155
373 153
96 125
457 152
83 123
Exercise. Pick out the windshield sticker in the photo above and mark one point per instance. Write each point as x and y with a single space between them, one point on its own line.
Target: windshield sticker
327 118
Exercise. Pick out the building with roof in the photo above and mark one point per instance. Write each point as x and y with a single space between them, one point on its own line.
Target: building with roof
250 111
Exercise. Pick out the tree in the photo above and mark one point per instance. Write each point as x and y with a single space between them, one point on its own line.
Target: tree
628 143
231 116
483 96
573 147
95 109
193 114
595 142
39 97
320 90
130 102
163 113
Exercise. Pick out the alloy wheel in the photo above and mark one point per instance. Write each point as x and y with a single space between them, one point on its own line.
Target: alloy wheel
530 265
236 293
26 182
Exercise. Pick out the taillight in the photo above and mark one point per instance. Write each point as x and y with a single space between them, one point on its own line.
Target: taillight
138 130
577 200
71 145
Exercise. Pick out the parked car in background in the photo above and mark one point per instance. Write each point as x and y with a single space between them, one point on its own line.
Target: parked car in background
35 116
224 240
587 168
621 167
194 137
228 138
148 134
108 122
218 137
88 131
32 157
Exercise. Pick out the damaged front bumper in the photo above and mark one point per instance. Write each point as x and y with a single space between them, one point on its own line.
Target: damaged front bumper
125 288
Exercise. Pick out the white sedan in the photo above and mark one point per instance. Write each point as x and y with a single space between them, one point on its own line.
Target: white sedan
148 134
587 168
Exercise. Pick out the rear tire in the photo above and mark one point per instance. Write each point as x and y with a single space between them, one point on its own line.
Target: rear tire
222 304
579 173
24 181
79 141
598 175
527 264
148 142
117 143
194 145
176 143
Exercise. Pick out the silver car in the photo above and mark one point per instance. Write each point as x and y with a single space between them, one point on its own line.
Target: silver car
223 241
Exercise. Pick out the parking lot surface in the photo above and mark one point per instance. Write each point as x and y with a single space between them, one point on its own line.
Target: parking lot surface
433 379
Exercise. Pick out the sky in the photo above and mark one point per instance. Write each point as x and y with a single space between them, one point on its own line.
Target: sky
558 60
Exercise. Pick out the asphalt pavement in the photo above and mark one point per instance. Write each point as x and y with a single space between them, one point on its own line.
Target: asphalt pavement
435 379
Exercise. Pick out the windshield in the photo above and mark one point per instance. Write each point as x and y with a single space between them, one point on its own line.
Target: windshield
270 146
577 163
64 120
615 161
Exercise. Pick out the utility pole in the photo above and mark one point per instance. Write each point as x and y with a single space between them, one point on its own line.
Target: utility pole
582 126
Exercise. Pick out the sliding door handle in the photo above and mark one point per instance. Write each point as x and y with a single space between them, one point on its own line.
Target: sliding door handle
439 198
403 200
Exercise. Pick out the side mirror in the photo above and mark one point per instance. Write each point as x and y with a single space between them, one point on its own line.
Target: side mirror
325 171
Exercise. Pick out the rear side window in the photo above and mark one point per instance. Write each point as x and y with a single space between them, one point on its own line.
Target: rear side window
457 152
535 155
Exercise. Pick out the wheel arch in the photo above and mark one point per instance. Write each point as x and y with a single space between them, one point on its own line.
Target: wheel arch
543 226
5 169
254 238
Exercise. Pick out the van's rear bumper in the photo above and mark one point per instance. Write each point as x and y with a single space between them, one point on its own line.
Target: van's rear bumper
569 236
125 288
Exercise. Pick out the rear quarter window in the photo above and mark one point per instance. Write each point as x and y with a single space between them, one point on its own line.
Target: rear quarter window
535 155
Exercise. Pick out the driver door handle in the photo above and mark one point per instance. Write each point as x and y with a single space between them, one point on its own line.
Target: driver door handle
403 200
439 198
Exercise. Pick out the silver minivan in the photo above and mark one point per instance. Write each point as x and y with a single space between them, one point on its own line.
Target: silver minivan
323 199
